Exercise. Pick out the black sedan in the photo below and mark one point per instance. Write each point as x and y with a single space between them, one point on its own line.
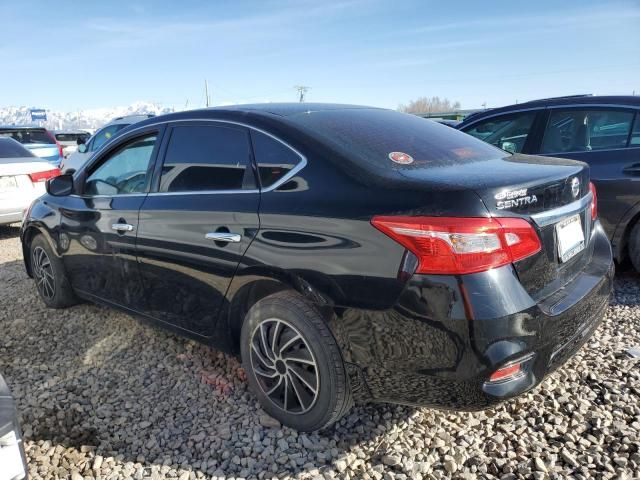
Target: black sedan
346 253
603 131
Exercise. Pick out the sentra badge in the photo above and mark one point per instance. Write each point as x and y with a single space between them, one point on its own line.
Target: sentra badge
514 198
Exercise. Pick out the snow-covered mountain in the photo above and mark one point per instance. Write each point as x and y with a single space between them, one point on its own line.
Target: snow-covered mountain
89 118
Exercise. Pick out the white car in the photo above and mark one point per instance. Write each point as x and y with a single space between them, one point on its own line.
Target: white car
22 177
76 159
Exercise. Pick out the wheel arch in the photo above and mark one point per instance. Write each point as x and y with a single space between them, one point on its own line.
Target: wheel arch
623 231
28 234
254 284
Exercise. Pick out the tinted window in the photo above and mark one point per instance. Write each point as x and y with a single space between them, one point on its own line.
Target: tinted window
367 137
9 148
508 132
71 137
274 159
207 157
586 130
124 171
635 135
104 135
29 135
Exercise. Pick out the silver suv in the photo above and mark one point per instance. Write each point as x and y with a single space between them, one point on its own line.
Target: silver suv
102 136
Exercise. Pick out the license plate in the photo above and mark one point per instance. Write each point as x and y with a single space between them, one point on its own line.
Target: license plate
7 184
570 237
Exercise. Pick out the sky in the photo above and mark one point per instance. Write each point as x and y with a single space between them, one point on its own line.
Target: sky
88 54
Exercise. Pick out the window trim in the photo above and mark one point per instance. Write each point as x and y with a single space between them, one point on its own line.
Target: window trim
634 112
285 178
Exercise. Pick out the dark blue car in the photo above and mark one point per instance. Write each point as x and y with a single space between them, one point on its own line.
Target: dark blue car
603 131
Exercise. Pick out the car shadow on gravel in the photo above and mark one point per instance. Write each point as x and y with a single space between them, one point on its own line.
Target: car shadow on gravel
9 231
92 381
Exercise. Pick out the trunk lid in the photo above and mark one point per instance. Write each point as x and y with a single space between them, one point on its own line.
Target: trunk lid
545 191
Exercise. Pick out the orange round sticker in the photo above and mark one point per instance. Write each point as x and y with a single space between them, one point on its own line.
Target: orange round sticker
401 158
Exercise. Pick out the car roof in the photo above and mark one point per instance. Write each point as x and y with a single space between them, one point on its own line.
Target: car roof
590 100
130 118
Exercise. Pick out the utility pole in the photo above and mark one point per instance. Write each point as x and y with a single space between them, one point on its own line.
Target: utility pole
302 90
206 93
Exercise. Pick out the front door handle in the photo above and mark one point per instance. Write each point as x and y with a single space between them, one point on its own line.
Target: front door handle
122 227
223 237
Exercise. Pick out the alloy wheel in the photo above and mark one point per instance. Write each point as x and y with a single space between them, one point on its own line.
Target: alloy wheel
43 273
284 366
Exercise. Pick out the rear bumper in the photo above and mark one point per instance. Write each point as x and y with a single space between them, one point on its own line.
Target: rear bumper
447 335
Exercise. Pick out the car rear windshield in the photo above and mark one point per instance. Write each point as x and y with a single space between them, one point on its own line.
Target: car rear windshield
71 137
9 148
385 139
28 135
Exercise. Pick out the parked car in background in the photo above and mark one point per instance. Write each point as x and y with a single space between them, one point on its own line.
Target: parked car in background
343 251
70 139
446 121
97 140
22 177
13 462
39 140
603 131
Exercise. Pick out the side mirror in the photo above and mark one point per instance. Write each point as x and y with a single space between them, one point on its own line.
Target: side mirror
60 186
82 148
80 141
509 147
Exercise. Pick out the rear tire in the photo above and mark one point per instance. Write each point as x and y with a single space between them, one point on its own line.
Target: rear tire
634 246
49 275
293 363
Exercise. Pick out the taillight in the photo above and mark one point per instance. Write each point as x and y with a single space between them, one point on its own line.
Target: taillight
452 245
594 202
43 176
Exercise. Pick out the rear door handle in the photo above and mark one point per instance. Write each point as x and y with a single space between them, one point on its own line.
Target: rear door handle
223 237
633 169
122 227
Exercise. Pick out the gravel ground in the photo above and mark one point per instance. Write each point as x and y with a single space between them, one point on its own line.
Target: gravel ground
102 395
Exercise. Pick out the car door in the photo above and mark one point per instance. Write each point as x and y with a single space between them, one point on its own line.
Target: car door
605 138
99 224
196 225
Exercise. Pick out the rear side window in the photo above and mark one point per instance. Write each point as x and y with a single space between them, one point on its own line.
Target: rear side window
207 158
508 132
29 136
9 148
274 159
578 130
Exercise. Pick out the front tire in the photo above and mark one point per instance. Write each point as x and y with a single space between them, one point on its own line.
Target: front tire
293 363
49 275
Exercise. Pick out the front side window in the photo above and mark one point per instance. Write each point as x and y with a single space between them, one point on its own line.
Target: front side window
274 159
104 135
508 132
586 130
125 171
203 158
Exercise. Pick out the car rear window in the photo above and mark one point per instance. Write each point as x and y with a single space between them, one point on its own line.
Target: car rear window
71 137
29 135
12 149
385 139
